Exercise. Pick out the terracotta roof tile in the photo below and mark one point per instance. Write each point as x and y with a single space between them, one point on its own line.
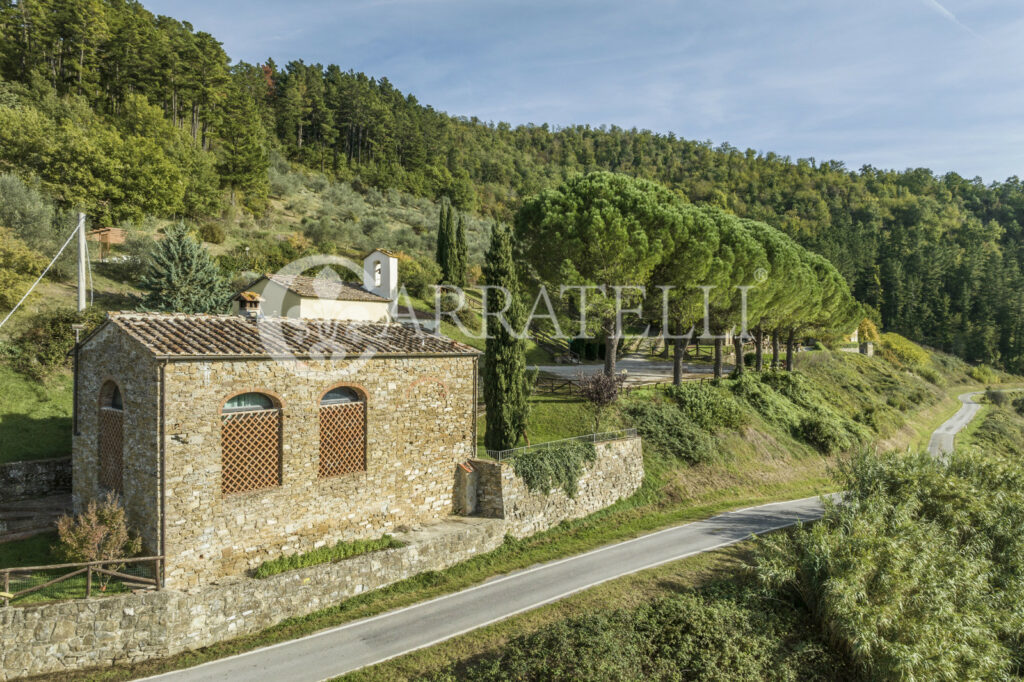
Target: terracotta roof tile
180 335
314 287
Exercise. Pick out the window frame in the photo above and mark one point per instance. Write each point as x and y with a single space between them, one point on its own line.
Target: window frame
225 412
364 400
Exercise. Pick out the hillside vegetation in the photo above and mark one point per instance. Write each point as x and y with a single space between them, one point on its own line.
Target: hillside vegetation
740 441
91 89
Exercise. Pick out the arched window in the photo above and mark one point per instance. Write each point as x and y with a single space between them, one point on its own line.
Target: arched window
377 274
342 432
250 443
110 442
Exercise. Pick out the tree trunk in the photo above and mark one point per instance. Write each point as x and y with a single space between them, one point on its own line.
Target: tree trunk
611 341
718 357
775 349
789 351
759 350
737 343
678 349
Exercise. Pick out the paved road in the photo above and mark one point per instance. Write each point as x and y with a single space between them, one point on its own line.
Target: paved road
361 643
639 370
941 442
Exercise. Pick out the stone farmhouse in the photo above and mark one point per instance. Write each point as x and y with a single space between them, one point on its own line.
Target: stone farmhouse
233 439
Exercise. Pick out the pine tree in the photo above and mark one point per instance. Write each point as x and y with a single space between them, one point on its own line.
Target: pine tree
242 157
505 382
183 277
462 254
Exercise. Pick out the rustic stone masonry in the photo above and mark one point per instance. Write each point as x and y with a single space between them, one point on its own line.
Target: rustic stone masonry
35 478
72 635
419 424
113 356
420 421
617 473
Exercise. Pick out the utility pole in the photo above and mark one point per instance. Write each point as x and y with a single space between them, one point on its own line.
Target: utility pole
83 255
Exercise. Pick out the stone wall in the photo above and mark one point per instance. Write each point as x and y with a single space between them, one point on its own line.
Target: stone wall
617 473
111 355
34 478
72 635
420 422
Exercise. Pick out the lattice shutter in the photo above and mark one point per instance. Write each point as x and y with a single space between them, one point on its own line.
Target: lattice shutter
250 450
342 439
111 449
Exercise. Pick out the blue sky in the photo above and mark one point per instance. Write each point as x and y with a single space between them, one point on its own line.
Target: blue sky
893 83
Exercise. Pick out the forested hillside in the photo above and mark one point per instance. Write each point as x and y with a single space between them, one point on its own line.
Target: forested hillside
127 114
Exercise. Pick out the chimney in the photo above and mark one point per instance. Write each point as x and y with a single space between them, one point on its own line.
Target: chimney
249 305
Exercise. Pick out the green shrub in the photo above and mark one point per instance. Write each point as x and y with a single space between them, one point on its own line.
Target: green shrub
707 406
771 405
929 375
903 352
418 276
720 632
558 465
823 432
664 426
984 374
211 232
49 338
997 397
325 555
917 574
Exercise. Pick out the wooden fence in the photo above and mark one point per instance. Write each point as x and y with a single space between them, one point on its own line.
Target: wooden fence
81 580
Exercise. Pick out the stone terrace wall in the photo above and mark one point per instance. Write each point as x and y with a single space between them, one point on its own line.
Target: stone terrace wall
35 478
72 635
617 473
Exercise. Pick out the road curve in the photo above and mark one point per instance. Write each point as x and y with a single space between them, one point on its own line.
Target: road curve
361 643
372 640
941 442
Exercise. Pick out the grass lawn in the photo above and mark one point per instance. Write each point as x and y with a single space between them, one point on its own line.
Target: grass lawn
35 417
33 551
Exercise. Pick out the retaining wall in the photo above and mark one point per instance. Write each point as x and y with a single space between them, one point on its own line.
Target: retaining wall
617 473
34 478
72 635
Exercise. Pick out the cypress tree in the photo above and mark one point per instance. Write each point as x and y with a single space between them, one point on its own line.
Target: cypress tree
462 254
443 240
182 276
505 389
451 252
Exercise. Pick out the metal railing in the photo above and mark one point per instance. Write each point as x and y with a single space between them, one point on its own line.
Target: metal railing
588 438
79 581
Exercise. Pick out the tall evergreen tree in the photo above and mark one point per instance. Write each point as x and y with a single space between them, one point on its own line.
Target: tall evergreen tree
182 276
461 254
444 239
505 383
242 155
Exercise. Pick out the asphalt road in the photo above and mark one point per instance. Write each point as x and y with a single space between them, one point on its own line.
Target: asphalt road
941 442
361 643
